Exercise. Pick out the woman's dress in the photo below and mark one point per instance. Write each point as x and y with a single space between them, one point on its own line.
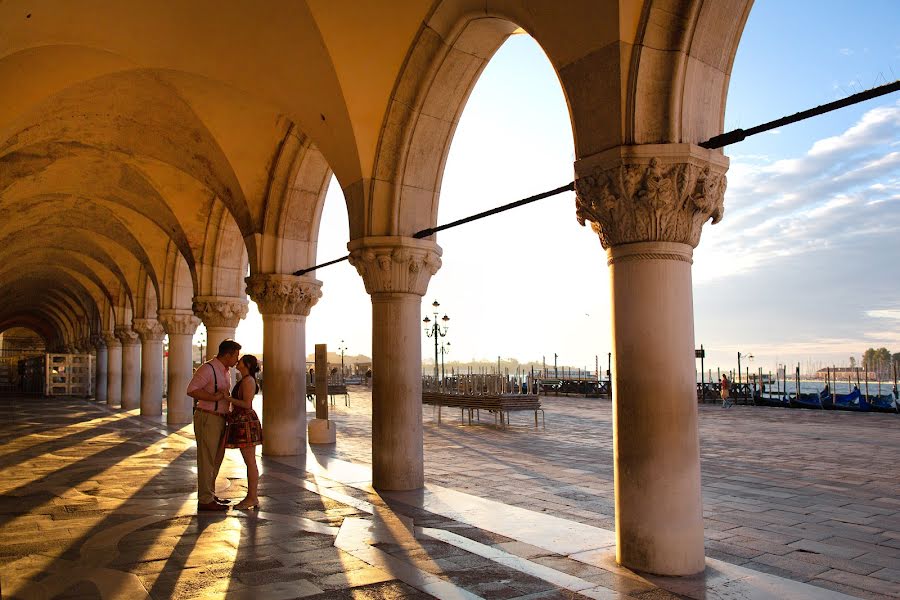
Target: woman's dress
243 428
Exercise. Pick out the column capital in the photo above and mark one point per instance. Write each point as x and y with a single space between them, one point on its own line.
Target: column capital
220 311
150 330
650 193
127 336
178 322
110 339
395 263
277 294
97 341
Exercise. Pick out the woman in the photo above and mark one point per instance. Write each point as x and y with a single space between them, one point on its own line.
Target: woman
724 389
244 430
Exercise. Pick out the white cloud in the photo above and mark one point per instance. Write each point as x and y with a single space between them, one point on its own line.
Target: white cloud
845 51
843 187
884 314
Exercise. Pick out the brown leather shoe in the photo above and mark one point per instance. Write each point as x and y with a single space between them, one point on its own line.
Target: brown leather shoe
213 506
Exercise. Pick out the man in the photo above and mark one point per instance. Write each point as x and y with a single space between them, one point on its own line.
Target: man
210 388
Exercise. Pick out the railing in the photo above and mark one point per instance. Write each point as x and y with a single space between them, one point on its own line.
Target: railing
712 391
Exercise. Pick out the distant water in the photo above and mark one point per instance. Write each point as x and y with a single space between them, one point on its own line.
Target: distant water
839 387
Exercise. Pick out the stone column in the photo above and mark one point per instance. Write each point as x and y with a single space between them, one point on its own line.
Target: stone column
396 272
220 315
100 369
113 369
152 334
648 205
284 302
180 325
131 367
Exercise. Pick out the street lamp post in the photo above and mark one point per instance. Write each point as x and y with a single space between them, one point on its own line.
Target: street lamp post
445 349
436 331
342 348
749 357
202 342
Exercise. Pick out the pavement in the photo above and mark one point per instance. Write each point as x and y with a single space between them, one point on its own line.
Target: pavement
101 503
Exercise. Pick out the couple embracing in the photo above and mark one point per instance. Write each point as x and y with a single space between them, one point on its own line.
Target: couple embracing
225 419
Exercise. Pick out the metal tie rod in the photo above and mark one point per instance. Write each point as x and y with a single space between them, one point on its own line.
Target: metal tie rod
739 135
432 230
719 141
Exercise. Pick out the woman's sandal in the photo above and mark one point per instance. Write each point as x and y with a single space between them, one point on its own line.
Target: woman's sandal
242 505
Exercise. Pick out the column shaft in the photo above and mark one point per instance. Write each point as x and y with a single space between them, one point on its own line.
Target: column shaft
214 337
284 405
114 373
151 377
397 455
179 406
131 374
100 373
659 511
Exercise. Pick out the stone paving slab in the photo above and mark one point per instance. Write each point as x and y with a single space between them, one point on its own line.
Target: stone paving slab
813 496
97 503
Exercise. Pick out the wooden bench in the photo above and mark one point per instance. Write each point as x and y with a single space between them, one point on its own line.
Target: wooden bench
501 405
336 389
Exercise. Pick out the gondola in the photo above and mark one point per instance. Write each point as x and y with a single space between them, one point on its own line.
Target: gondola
854 401
883 403
806 401
776 399
770 399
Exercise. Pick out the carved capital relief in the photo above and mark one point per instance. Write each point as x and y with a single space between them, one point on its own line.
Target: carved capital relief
97 341
651 193
178 322
127 336
277 294
149 330
220 311
110 339
395 264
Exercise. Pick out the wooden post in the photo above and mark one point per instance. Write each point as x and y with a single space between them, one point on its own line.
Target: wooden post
867 383
702 382
894 363
321 382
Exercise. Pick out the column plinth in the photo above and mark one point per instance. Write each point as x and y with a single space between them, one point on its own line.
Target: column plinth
180 325
151 333
648 205
396 272
284 302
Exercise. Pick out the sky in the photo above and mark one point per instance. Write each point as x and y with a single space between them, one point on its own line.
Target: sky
802 269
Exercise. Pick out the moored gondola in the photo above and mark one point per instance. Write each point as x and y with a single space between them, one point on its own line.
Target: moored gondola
770 399
884 403
805 400
854 401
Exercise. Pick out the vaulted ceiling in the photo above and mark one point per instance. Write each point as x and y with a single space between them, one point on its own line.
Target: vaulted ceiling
152 147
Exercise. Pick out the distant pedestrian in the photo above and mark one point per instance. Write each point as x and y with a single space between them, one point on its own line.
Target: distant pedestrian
368 376
725 392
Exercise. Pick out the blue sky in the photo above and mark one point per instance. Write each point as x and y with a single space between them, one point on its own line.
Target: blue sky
803 268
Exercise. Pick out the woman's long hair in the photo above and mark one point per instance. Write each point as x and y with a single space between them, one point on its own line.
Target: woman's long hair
252 364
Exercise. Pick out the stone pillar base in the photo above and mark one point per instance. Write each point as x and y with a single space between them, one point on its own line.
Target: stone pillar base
321 431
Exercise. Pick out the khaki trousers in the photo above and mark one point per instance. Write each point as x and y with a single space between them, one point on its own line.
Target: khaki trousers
208 431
